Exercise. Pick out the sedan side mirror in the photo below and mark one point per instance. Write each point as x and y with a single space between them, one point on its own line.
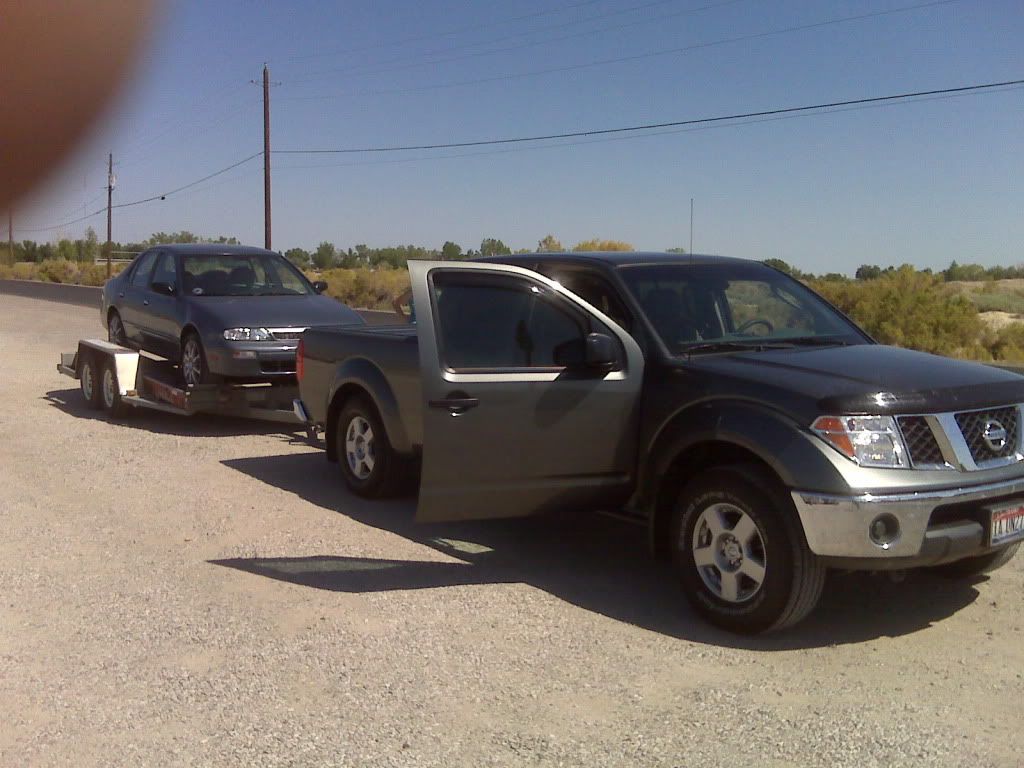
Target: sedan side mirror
167 289
320 286
599 352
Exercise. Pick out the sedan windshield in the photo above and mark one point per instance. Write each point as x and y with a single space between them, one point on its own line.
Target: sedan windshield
733 306
261 274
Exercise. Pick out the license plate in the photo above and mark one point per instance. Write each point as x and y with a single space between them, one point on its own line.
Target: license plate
1007 524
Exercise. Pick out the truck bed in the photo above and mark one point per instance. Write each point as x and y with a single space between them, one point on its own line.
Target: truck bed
381 359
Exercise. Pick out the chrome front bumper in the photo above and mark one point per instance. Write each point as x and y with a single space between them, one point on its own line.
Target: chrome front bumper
838 526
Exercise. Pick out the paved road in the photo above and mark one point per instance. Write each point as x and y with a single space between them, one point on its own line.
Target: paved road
202 592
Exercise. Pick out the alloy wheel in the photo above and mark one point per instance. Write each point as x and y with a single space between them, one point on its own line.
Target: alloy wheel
729 552
192 363
359 450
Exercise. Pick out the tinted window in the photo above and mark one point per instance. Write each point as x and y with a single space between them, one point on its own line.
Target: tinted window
594 290
144 269
260 274
165 271
491 321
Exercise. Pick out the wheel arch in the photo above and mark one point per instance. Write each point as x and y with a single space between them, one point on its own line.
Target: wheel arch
720 434
357 377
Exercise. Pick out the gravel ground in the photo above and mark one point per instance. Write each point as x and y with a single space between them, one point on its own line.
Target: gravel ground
203 592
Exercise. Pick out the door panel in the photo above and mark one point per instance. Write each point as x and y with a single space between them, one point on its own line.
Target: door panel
161 327
513 423
133 307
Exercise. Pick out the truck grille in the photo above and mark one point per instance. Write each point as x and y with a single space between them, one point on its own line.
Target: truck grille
921 443
999 425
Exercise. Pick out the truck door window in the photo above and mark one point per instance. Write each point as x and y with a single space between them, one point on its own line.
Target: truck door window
165 271
497 322
594 290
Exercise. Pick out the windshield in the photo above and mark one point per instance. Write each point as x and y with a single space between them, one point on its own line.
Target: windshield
718 307
261 274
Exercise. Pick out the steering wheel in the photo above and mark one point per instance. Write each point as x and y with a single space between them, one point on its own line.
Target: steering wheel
756 321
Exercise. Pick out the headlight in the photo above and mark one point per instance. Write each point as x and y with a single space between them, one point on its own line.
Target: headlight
871 441
247 334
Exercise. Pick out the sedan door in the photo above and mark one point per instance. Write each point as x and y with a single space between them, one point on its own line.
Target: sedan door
131 302
518 416
162 308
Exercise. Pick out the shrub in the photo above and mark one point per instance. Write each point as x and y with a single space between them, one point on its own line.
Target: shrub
58 271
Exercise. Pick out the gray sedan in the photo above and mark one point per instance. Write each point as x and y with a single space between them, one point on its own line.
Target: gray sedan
218 310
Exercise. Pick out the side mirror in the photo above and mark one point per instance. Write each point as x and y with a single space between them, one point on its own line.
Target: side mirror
320 286
167 289
599 352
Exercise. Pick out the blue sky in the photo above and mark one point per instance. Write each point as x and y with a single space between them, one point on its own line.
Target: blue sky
924 182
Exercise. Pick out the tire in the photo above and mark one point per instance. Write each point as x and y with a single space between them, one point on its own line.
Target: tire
369 465
115 330
110 394
89 381
976 566
194 370
756 573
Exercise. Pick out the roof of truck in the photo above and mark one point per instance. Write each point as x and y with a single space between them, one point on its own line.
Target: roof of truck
618 258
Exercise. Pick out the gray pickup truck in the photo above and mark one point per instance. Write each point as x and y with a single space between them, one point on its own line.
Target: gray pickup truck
759 433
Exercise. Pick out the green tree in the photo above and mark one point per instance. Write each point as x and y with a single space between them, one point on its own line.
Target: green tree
66 249
451 251
549 244
492 247
300 257
325 255
596 244
868 272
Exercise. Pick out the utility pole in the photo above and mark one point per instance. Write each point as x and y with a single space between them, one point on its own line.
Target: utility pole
691 226
110 199
10 234
266 157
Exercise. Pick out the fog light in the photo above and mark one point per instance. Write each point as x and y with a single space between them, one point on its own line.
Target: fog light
243 355
884 530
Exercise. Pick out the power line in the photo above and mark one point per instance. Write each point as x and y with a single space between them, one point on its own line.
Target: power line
405 62
634 137
449 33
150 199
638 56
651 126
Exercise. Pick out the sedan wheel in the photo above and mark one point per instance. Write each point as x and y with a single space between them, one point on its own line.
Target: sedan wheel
115 330
192 367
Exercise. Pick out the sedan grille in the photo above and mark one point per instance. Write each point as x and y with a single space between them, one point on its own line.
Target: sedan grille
921 443
990 434
286 334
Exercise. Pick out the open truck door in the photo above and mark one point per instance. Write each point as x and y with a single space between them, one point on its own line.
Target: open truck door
531 395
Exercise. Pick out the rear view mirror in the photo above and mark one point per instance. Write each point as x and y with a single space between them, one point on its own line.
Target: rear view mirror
167 289
320 286
599 352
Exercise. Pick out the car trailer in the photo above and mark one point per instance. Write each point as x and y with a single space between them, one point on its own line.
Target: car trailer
117 379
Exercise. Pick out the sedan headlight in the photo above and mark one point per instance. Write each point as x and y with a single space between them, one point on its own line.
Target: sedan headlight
871 441
247 334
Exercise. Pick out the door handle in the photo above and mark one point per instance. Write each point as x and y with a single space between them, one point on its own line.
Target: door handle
145 302
121 295
456 405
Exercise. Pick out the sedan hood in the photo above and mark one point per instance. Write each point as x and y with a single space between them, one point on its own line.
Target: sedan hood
274 311
868 378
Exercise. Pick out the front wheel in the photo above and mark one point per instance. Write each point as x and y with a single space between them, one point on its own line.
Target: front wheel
740 553
369 465
115 329
976 566
193 362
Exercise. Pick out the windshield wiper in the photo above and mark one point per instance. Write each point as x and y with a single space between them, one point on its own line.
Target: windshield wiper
728 346
816 341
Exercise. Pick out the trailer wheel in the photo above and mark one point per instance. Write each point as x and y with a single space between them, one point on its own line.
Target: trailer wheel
369 465
740 553
88 380
110 392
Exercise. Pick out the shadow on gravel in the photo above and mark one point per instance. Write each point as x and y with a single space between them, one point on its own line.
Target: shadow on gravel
71 402
596 562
